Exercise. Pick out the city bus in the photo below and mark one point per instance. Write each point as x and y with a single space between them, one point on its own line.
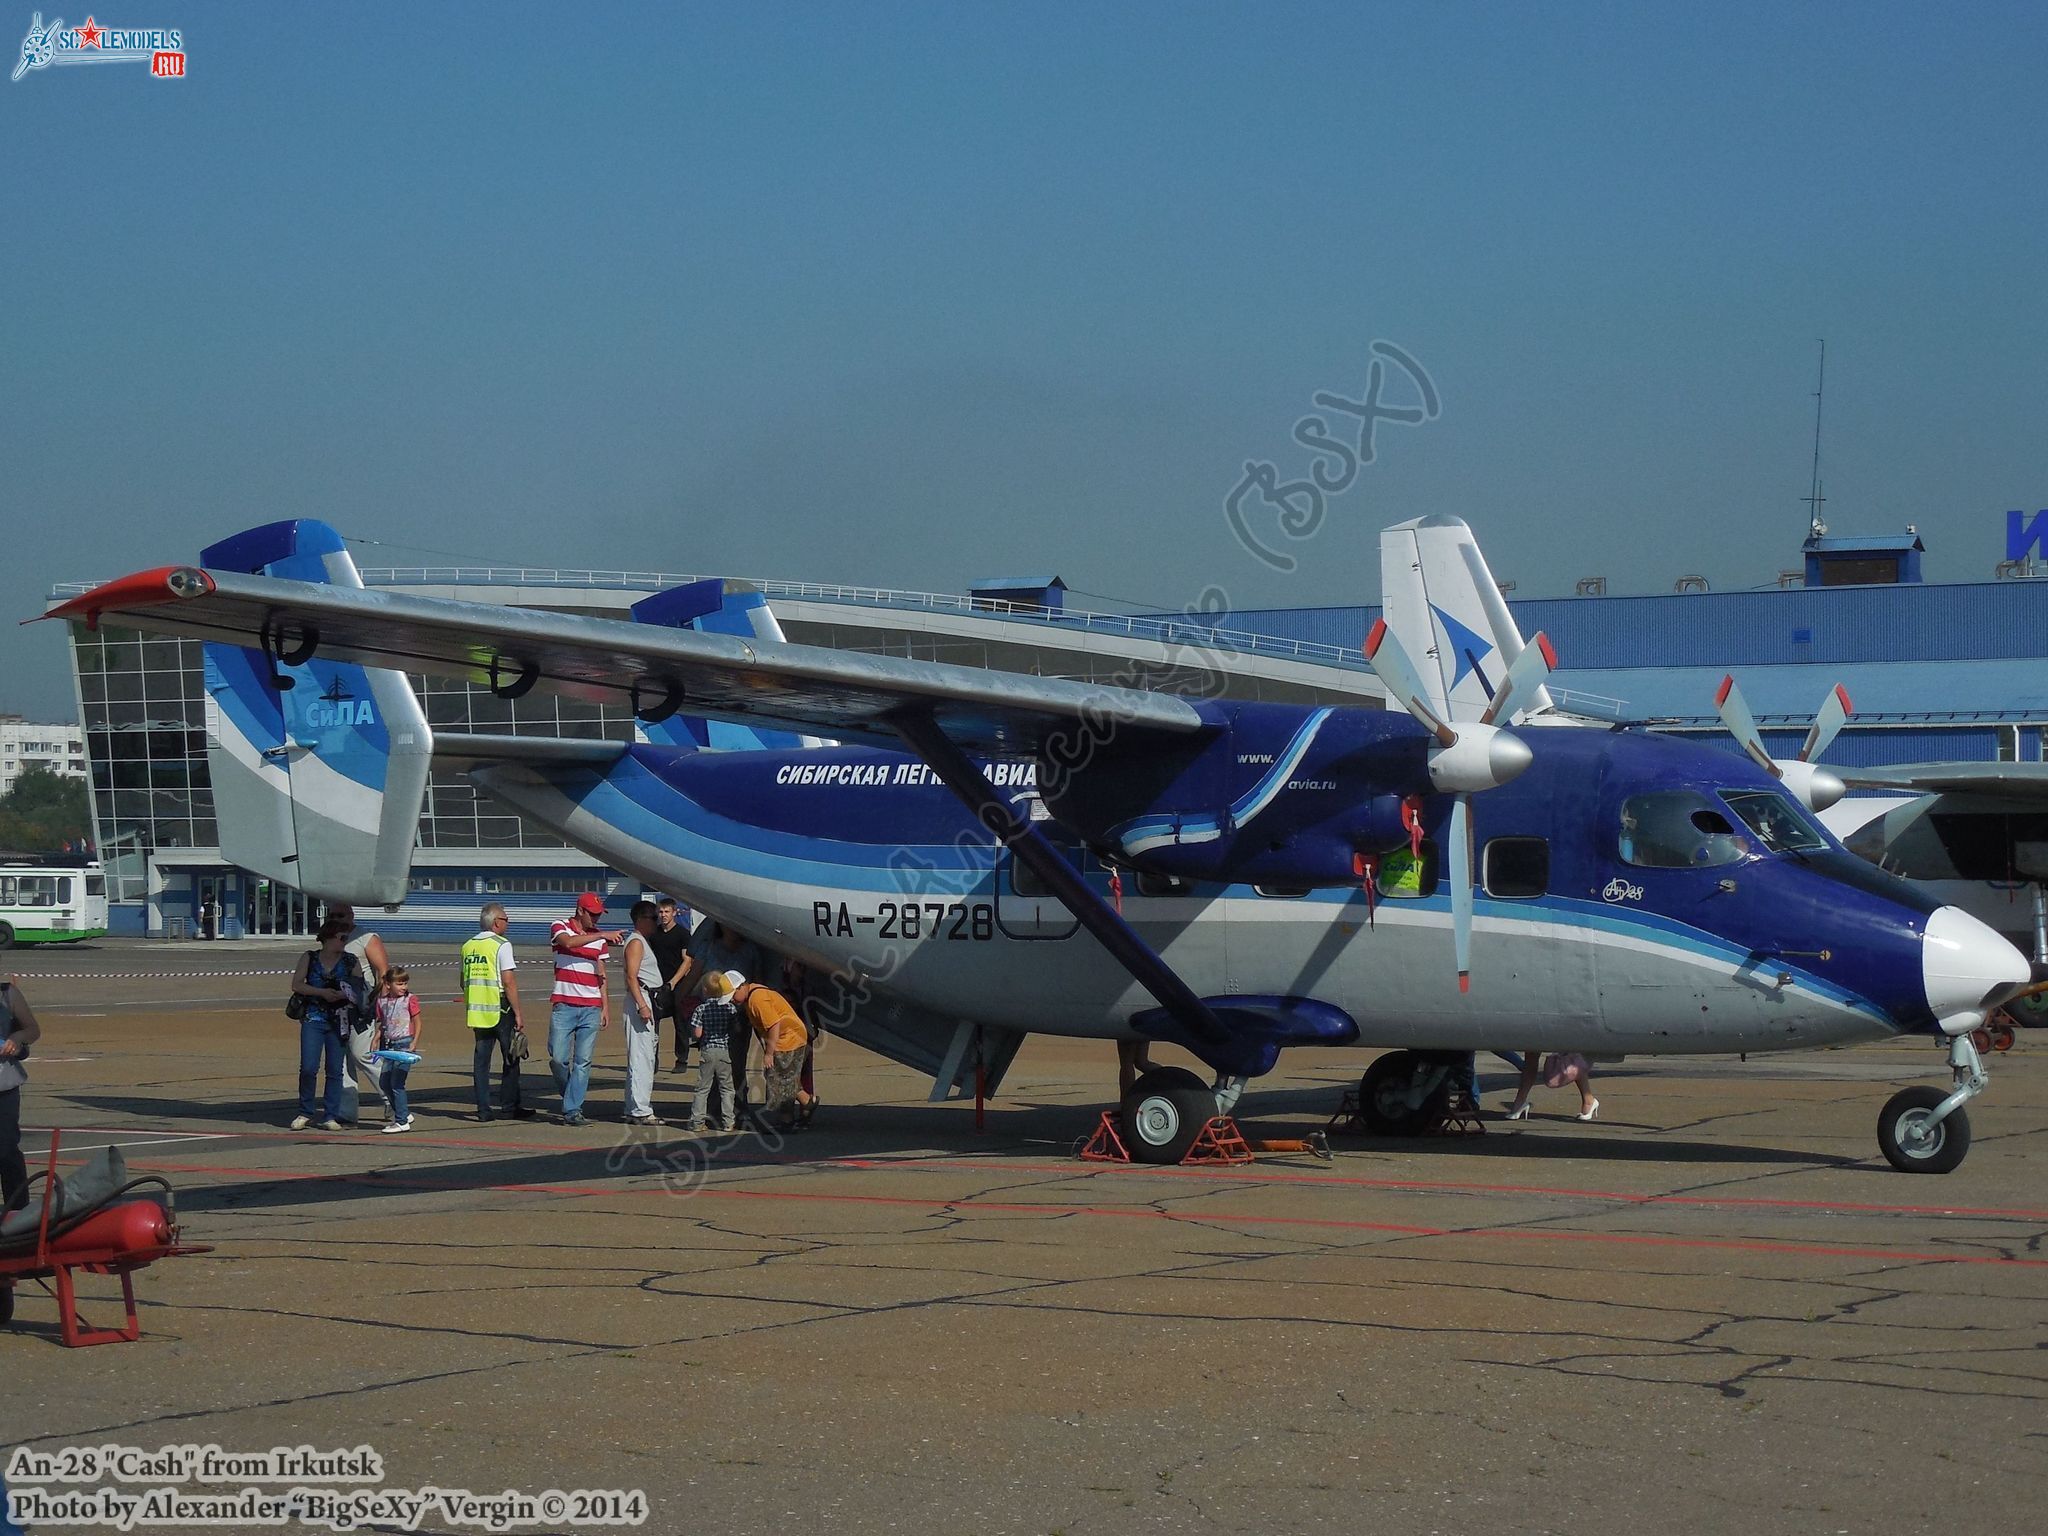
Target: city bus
51 903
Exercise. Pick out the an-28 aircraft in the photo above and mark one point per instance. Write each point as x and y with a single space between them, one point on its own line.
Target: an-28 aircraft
982 855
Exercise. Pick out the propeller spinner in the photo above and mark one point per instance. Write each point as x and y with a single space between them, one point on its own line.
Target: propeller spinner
1467 758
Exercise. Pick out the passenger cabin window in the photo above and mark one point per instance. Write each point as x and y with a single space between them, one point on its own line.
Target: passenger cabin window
1163 885
1403 877
1678 829
1517 867
1024 883
1775 820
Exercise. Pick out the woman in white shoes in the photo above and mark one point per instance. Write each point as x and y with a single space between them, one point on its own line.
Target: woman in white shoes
1562 1068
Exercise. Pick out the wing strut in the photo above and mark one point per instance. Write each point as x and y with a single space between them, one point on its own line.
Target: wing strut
1228 1051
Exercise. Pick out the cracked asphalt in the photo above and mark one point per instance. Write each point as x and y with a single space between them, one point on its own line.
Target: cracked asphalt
1715 1306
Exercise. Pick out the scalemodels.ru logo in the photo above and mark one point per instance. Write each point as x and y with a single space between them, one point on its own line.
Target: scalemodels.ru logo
161 48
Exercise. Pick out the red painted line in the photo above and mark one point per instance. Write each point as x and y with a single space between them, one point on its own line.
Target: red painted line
1129 1213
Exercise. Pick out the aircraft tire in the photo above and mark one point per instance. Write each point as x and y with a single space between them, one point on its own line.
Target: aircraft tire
1382 1097
1909 1105
1164 1112
6 1305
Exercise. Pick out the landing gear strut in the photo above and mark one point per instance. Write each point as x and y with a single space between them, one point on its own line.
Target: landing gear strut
1922 1129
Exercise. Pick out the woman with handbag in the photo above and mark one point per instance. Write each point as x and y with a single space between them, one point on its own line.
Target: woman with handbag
327 989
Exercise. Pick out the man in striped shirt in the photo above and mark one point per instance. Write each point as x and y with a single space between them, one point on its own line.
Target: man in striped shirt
581 1006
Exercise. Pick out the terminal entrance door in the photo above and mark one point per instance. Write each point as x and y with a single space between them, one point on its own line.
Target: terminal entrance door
277 908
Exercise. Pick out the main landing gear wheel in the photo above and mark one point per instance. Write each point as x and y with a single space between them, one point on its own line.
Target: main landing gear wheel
1164 1112
1388 1101
1910 1143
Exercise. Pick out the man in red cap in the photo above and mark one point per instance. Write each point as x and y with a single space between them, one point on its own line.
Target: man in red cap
581 1007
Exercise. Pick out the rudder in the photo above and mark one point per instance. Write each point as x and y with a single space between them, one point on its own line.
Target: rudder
1442 603
319 768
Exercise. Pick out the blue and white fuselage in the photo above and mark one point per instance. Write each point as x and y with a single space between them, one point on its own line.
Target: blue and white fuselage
858 860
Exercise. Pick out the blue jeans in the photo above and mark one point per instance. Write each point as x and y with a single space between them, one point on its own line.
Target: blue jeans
572 1040
320 1044
392 1081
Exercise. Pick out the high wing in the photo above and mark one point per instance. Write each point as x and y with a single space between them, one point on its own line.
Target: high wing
2020 781
652 670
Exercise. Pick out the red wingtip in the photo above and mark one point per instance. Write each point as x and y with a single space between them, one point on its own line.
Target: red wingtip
1464 981
1549 651
1374 636
145 589
1842 698
1721 693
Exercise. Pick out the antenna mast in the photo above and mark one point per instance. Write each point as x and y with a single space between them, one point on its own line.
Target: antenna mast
1814 499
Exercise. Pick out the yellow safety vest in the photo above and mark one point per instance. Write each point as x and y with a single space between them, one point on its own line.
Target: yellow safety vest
483 987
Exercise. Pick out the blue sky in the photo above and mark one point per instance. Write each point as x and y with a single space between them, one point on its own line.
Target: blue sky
908 294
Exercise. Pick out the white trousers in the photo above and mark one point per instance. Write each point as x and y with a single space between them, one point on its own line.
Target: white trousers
643 1040
360 1043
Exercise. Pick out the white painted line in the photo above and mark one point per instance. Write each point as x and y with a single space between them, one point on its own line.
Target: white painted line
159 1141
151 1138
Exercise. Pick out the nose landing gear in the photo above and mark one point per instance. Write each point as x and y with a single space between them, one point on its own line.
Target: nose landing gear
1922 1129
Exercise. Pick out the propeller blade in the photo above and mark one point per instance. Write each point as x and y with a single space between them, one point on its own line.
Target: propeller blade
1458 870
1391 662
1834 713
1523 679
1742 725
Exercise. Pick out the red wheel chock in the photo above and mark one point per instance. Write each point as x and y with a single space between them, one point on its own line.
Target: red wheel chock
1219 1143
1107 1144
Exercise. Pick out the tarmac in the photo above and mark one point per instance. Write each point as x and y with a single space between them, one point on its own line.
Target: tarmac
1715 1307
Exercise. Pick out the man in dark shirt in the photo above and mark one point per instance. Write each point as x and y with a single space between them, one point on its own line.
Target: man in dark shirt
671 945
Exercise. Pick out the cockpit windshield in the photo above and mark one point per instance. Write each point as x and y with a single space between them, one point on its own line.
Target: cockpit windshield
1775 820
1678 829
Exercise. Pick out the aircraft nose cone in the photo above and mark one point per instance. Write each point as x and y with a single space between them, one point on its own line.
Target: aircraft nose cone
1967 968
1507 755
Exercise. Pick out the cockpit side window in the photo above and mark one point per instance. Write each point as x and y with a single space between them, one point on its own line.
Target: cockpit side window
1678 829
1775 820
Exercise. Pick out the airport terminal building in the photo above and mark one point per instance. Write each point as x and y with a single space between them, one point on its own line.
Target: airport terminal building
1936 672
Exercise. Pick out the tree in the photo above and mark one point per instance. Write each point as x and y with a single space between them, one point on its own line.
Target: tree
44 811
